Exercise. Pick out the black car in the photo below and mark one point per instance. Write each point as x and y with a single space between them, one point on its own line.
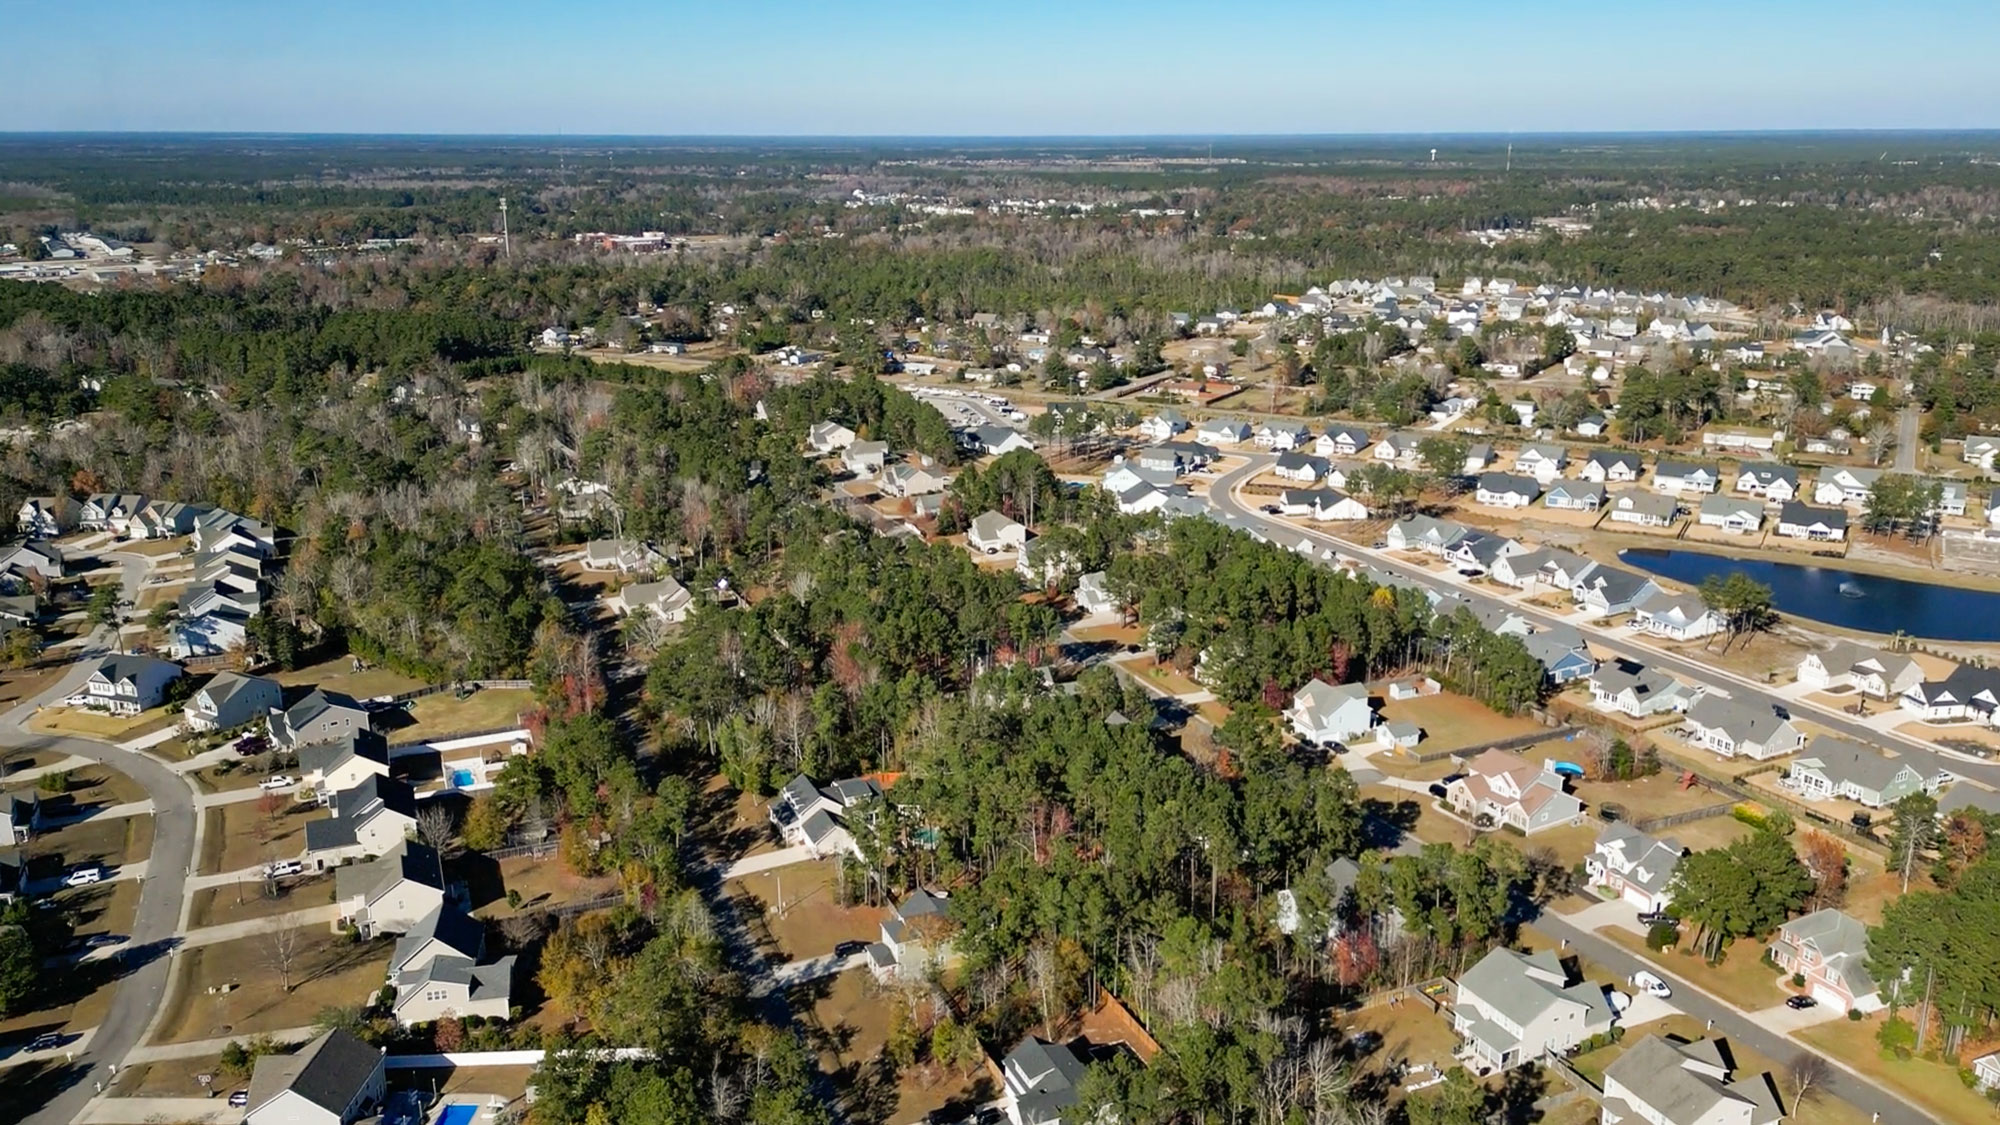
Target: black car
48 1040
1800 1002
1437 791
239 1099
1657 918
849 948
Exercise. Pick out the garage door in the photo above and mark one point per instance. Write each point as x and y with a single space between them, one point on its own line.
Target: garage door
1638 899
1829 997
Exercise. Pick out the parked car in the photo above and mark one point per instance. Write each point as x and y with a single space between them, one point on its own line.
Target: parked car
99 941
849 948
1437 791
278 781
1800 1003
1657 918
46 1041
239 1099
282 868
84 876
1651 985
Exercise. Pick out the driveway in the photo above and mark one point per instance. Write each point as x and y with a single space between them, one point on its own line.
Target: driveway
808 969
766 861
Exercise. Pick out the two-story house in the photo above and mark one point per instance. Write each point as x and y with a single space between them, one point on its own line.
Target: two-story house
1513 1008
1324 714
335 1079
1829 949
126 685
369 818
392 892
1660 1081
230 700
805 814
1636 867
1509 790
320 716
915 938
994 534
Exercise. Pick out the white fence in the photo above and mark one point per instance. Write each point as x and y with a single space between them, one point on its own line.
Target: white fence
457 1059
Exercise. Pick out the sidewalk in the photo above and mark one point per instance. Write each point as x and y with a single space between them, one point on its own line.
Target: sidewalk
15 1056
202 1048
125 873
108 812
36 773
804 970
232 797
231 931
226 878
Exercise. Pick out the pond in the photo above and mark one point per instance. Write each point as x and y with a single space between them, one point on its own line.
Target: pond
1867 602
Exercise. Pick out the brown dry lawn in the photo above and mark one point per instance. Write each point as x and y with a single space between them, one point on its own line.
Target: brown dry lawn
111 841
176 1078
25 683
241 902
1115 634
1455 722
847 1024
1741 975
86 723
1164 677
1432 827
474 1083
1932 1085
543 883
1764 657
330 970
1658 795
79 1003
237 836
102 908
1411 1034
806 921
240 775
443 714
338 674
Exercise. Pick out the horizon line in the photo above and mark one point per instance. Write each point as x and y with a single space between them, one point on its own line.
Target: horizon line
1497 135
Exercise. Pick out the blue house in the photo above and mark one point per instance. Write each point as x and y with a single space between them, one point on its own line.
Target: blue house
1562 652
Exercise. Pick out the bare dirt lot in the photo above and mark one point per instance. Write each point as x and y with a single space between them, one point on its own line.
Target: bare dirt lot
792 911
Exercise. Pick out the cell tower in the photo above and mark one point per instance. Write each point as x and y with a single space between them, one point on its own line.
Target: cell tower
506 240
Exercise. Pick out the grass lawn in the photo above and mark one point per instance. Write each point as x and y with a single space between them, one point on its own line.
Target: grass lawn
846 1022
471 1082
1741 975
153 548
26 683
237 836
241 774
329 970
1658 795
442 715
806 922
1870 890
1932 1085
1456 722
1704 835
175 1078
542 883
240 902
89 785
1410 1033
1114 634
1432 826
101 908
338 674
111 841
86 723
1397 765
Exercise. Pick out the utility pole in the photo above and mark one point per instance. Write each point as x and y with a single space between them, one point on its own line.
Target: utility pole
506 240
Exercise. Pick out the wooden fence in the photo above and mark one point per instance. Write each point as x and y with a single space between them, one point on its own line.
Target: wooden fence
1654 824
1515 743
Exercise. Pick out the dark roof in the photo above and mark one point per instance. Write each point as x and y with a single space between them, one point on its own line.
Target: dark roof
455 929
330 1072
319 703
1052 1072
1804 515
411 861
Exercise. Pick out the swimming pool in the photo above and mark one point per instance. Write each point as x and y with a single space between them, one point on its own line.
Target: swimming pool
457 1113
462 779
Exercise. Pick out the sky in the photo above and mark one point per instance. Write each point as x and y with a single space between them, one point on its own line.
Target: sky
1012 68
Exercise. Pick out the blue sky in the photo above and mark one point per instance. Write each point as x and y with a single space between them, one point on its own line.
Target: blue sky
1017 67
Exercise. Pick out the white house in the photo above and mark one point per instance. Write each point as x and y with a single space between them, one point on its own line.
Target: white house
1731 514
1223 431
666 599
1678 617
1636 867
1870 671
1835 768
806 814
46 517
1513 1008
829 437
865 458
126 685
1508 789
1506 490
1677 478
335 1079
1093 596
1667 1082
1324 713
391 893
1612 466
1542 461
1164 426
623 555
369 818
1342 441
1645 509
994 534
1845 485
1739 728
1802 521
1769 480
1979 450
1280 435
1636 690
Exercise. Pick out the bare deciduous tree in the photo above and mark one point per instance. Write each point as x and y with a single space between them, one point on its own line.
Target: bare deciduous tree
437 827
1809 1074
282 947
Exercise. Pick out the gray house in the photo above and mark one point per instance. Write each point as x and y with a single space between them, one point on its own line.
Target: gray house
1665 1082
1834 767
334 1080
322 716
231 700
1514 1008
1042 1082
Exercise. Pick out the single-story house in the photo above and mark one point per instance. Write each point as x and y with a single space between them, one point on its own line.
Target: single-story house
1868 670
1845 485
1969 692
1223 431
1612 466
1093 596
1741 728
865 458
1676 478
1574 496
1562 653
1542 461
1507 490
829 437
1679 617
1646 509
1768 479
1637 690
1731 514
1610 590
1802 521
1834 767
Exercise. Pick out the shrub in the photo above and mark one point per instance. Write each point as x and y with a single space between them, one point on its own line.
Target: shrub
1662 936
57 782
1898 1037
1798 980
513 899
1854 1015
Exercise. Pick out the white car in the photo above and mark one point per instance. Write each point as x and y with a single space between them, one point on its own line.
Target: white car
1651 985
284 867
84 876
278 781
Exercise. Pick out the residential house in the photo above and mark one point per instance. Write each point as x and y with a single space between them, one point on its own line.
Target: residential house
1562 653
1542 461
1870 671
993 441
1397 449
1679 478
1325 714
1803 521
222 626
1612 466
1476 553
1574 496
320 716
1223 431
13 874
391 893
1507 490
20 816
1546 566
1845 484
1834 767
1423 533
806 814
1679 617
369 818
1594 425
1737 439
1661 1081
342 762
1044 1082
438 970
1164 426
1042 564
1741 728
1513 1008
994 534
829 437
623 555
1342 441
1280 435
126 685
166 519
1969 692
1646 509
1731 514
1509 790
35 558
1609 590
666 599
915 937
335 1079
231 700
110 511
1634 866
1830 949
1294 465
1637 690
1953 495
1093 595
1769 480
865 458
1979 450
1478 455
219 530
46 517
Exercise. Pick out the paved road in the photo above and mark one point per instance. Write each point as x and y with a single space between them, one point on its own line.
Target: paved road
1869 1098
61 1093
1735 1024
1907 429
1920 754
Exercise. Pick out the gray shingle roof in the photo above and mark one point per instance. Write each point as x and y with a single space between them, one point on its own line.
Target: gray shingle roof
329 1072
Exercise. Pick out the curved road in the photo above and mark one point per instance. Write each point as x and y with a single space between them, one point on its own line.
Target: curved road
1731 1021
60 1090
